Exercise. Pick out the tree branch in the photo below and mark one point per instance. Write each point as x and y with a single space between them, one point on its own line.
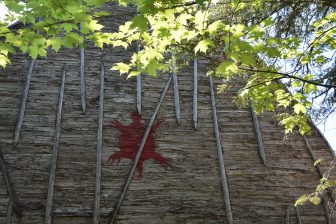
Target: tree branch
289 76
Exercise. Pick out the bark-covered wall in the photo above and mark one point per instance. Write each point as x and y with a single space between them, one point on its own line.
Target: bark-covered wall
188 191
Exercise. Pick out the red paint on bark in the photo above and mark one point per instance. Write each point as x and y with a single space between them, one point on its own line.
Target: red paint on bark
130 139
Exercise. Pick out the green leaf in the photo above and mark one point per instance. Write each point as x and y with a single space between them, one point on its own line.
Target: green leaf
240 6
203 45
133 74
213 27
308 88
301 200
4 61
317 162
315 200
55 43
299 108
152 67
247 58
68 27
121 67
33 51
140 22
94 25
227 68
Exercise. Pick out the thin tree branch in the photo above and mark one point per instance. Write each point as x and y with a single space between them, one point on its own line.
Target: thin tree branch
289 76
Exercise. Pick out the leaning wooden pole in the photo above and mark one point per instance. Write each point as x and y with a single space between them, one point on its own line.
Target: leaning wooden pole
99 148
10 187
195 90
24 98
312 156
9 212
258 135
220 157
51 185
326 209
115 211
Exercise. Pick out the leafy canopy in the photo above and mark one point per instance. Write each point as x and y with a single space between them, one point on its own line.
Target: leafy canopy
237 38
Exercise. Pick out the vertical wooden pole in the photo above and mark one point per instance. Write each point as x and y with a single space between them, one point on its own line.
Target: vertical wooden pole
9 184
99 148
138 87
258 135
176 94
287 215
195 85
298 216
51 185
115 211
224 181
19 122
82 79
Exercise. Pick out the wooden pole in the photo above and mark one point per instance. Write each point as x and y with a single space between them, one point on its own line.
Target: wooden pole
176 95
298 216
310 151
326 210
99 148
9 212
195 85
9 184
19 122
319 170
258 135
114 213
82 79
287 221
51 185
224 181
138 87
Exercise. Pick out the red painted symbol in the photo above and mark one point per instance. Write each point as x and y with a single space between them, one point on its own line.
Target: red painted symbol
130 139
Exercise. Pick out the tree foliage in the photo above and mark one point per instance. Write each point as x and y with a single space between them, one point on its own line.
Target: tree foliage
284 50
238 38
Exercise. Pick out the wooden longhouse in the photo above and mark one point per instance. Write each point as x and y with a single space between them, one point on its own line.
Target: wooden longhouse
200 158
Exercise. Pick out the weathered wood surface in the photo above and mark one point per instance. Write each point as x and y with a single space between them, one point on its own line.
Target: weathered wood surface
189 191
99 148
